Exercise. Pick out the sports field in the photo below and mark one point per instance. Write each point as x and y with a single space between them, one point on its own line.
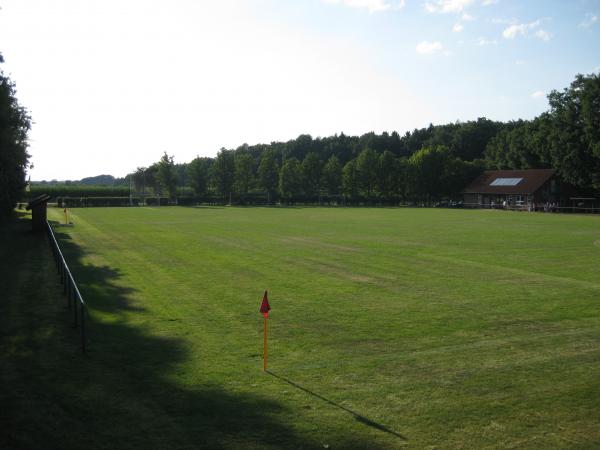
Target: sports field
418 328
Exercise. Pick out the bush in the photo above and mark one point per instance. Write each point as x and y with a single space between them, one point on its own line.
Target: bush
55 191
152 201
82 202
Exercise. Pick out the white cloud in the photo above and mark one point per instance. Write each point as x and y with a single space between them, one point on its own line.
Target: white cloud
520 62
447 6
371 5
489 2
467 17
590 19
523 29
514 30
485 41
543 35
428 48
457 28
538 94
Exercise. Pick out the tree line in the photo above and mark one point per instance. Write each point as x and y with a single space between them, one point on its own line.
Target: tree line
271 174
426 165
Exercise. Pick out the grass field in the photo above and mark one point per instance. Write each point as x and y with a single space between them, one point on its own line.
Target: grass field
390 328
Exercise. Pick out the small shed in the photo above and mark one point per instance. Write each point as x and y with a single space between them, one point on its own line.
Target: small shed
38 207
516 189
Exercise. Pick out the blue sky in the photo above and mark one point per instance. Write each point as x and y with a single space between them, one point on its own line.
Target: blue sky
112 84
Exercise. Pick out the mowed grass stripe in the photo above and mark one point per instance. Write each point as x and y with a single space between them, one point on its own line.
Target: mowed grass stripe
451 327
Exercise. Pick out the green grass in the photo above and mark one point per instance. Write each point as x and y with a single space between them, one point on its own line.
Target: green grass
390 328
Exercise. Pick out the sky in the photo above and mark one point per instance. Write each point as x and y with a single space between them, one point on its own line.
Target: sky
112 84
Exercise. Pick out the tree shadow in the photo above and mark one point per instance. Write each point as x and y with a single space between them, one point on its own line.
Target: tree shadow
121 394
203 206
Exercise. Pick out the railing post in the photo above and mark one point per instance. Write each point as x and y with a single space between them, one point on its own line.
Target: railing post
65 284
75 313
82 328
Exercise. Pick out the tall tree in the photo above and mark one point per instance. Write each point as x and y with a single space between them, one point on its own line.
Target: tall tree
166 175
299 147
139 179
366 167
244 173
350 179
223 172
402 182
332 176
311 174
290 179
427 172
519 145
198 174
387 175
573 127
268 172
15 124
152 178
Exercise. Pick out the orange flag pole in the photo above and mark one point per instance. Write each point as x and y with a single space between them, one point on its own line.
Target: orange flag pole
264 309
265 346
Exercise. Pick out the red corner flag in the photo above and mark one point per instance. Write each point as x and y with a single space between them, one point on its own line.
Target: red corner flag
264 306
264 309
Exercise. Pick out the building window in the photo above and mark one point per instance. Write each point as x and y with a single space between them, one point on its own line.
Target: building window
506 181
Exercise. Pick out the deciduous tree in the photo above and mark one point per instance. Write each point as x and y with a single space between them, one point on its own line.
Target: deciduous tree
198 174
268 172
244 173
290 179
350 180
223 172
332 176
166 175
311 174
15 124
366 168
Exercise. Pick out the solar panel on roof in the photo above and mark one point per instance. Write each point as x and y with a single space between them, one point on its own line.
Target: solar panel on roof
506 181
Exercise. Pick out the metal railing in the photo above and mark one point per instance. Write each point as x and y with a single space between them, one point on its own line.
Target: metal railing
70 289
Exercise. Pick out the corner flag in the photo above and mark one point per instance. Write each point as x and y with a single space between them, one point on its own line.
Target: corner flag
264 306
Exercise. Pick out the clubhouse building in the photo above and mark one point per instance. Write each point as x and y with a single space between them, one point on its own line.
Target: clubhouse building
531 189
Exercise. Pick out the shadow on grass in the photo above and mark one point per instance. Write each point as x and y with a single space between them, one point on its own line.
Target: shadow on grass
121 394
360 418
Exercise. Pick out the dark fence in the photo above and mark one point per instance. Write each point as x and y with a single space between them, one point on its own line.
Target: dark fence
537 208
74 299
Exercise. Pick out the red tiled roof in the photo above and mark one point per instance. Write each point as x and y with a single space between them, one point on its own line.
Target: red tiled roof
532 180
